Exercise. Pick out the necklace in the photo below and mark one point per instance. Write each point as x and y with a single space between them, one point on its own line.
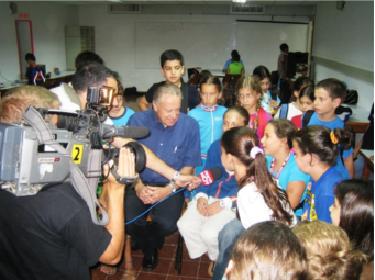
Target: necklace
277 174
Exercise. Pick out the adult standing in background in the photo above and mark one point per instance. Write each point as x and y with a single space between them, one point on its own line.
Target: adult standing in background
173 69
234 65
282 69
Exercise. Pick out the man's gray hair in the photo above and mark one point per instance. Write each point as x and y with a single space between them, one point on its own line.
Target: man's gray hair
166 90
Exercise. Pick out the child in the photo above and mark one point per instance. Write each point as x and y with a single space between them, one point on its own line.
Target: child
270 100
202 221
305 103
281 163
234 66
329 252
118 113
249 95
173 69
258 198
268 250
353 211
316 149
288 110
329 94
209 115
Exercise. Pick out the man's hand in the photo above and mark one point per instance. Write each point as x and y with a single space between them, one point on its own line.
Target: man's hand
143 194
214 208
202 205
156 194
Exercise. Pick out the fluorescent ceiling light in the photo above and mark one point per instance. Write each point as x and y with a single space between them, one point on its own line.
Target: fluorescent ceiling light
239 1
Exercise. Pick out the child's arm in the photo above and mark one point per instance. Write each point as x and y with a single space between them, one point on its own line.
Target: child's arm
349 165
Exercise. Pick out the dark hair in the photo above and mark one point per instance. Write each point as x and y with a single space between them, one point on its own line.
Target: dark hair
210 80
238 141
29 56
261 72
86 58
92 75
171 54
308 92
356 199
334 87
205 72
284 129
319 141
120 87
235 55
273 245
284 47
301 82
241 111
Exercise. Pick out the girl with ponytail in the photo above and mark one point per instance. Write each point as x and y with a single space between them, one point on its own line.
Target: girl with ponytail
316 150
258 199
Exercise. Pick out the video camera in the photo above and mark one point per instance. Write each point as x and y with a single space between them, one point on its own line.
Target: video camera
35 153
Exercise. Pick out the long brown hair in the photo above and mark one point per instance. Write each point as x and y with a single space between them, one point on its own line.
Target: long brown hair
238 142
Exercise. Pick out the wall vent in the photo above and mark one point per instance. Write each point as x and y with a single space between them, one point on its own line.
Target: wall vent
247 8
125 8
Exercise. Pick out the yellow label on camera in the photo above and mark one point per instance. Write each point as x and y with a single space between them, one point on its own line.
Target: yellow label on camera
77 153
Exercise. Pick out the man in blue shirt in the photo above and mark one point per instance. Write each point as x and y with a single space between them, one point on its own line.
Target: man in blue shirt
174 137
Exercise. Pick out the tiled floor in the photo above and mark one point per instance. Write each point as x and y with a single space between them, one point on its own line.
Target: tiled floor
191 269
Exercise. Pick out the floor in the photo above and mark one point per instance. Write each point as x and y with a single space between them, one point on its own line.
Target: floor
191 269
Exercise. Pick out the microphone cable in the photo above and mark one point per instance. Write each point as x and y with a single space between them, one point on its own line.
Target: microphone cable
152 206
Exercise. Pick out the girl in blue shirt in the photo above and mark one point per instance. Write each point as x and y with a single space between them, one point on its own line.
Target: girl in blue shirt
209 115
316 149
277 143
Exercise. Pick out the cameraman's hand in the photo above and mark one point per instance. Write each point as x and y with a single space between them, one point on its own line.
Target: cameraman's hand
118 142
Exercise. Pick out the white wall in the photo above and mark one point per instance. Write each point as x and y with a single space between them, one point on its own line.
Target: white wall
344 39
116 39
48 23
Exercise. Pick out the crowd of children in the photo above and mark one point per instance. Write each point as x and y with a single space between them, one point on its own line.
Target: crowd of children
285 206
282 184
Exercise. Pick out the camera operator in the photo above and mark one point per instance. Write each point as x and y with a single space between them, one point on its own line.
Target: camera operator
50 235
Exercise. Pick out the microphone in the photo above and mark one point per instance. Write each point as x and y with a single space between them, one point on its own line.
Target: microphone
124 131
208 176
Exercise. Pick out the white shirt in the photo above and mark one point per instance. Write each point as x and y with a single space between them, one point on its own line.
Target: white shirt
292 111
251 206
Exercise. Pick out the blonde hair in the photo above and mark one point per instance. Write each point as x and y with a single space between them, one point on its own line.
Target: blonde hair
270 251
329 252
250 82
19 99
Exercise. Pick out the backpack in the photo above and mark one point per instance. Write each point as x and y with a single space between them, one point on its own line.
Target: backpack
306 118
283 111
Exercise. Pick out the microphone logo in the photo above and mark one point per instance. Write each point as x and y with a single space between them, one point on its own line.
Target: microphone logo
206 177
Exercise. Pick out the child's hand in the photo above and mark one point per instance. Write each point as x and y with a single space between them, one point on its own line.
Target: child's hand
214 208
202 205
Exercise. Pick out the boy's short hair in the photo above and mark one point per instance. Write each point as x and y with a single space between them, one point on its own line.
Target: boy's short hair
171 54
86 58
334 87
29 56
92 75
284 47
